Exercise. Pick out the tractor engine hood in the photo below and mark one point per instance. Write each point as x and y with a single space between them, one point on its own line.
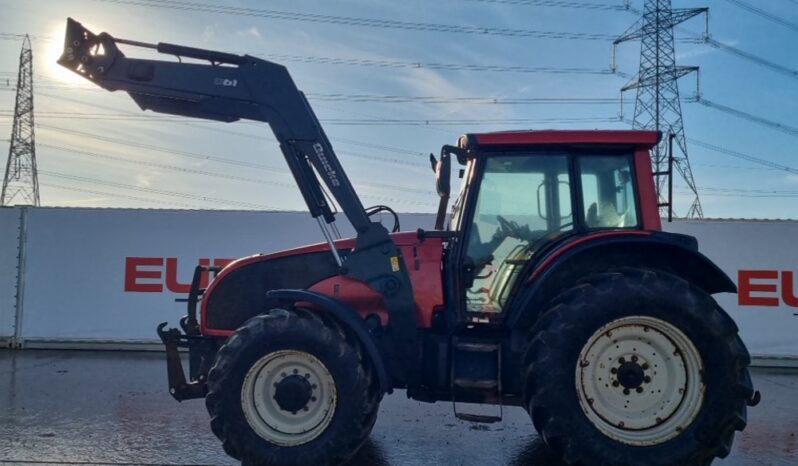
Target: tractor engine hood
239 291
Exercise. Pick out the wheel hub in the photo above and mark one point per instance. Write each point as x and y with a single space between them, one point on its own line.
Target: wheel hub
288 397
293 393
631 375
639 380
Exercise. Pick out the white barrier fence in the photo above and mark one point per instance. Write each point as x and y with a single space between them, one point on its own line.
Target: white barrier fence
762 258
92 276
9 249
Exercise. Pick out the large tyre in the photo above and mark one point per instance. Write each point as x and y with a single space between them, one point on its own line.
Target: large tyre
288 388
637 368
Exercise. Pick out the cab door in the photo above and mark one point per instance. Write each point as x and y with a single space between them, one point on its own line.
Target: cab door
521 202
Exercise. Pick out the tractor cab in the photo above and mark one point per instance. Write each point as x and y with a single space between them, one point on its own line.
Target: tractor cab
523 192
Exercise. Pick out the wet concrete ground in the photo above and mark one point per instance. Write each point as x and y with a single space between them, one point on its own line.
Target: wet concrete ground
72 407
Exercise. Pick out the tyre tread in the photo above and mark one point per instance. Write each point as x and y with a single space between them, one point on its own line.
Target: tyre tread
555 321
320 327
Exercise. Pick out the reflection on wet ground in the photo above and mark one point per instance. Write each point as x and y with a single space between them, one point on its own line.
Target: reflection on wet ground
113 408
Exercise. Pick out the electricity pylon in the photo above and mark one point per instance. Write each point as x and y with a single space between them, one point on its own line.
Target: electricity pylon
21 184
657 105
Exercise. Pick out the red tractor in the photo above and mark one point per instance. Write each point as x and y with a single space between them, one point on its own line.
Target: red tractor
550 287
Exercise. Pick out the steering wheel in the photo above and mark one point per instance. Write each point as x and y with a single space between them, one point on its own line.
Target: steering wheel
508 227
373 210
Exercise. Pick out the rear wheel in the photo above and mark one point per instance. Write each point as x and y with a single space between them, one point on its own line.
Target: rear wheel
637 367
289 388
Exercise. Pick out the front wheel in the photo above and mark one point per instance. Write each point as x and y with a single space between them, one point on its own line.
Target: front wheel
289 388
637 367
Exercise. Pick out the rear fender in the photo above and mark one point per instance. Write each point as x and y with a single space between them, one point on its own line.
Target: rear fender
345 316
572 261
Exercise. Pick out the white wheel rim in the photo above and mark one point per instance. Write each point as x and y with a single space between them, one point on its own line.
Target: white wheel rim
667 399
264 414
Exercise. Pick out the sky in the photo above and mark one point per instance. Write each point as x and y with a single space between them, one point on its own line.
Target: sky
97 149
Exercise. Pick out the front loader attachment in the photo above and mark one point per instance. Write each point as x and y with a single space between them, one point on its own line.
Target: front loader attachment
227 87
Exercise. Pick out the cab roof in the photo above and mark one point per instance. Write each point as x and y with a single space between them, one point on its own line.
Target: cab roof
637 138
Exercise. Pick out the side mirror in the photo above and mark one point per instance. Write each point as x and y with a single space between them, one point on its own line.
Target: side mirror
443 174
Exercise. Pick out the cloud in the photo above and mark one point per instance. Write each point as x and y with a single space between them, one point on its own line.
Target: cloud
252 31
427 82
144 180
210 33
699 49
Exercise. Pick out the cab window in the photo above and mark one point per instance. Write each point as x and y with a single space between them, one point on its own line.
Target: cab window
608 194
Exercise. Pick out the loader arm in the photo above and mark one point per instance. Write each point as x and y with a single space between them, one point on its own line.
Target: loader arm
227 88
230 87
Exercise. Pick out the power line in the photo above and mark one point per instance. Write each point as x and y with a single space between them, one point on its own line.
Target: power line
220 175
363 22
462 122
430 99
764 14
166 166
753 192
18 36
347 153
241 178
731 167
698 38
560 4
743 194
435 65
737 154
752 57
162 192
377 121
120 196
178 152
481 67
215 128
106 117
743 156
381 147
791 130
703 144
477 100
204 157
368 98
394 99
